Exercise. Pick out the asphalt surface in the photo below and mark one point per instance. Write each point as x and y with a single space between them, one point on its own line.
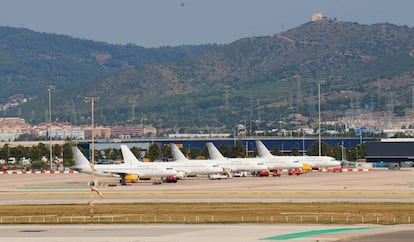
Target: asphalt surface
375 186
204 233
392 186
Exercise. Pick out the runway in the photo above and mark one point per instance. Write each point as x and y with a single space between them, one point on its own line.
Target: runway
203 233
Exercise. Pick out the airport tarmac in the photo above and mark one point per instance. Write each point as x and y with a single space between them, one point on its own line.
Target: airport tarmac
392 186
374 186
204 233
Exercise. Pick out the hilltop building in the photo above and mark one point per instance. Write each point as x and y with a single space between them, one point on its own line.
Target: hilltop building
317 16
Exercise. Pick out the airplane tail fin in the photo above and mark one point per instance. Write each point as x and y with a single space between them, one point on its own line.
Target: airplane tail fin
129 157
262 150
176 153
214 152
81 163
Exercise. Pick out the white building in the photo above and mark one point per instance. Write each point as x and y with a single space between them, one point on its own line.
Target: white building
317 16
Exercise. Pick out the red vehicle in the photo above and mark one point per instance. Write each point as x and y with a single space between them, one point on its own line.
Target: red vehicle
276 173
295 171
263 173
170 179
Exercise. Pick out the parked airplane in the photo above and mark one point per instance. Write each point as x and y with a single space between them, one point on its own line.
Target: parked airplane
122 170
313 161
235 164
191 167
181 164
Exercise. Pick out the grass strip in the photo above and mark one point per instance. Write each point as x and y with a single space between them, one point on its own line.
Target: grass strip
266 212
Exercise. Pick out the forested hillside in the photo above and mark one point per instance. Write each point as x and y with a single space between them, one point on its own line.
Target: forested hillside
368 68
29 61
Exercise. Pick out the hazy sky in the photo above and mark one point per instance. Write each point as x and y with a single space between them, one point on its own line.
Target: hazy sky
154 23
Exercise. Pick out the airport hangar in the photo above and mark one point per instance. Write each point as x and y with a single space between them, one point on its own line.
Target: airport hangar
393 151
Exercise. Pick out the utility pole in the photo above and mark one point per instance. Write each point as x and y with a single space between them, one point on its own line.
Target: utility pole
49 90
92 100
319 114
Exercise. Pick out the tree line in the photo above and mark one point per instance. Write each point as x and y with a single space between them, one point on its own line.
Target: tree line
63 157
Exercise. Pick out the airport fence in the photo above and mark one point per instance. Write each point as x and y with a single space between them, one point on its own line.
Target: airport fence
203 218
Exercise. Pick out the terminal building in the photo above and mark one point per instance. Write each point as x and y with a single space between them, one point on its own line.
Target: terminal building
390 151
285 144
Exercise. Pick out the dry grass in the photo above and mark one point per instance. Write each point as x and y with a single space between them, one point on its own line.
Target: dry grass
341 212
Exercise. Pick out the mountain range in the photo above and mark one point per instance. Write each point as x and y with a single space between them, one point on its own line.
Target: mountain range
258 81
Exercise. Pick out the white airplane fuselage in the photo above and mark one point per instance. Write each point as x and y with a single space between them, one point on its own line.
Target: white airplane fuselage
146 169
280 162
242 164
193 167
314 161
319 161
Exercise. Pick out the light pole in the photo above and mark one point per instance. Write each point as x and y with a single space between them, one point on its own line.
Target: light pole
49 90
319 115
92 100
356 148
303 144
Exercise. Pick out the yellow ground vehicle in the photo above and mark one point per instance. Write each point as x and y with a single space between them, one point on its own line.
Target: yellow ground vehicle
131 178
306 167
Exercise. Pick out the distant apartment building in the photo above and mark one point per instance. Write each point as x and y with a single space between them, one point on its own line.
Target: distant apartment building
99 132
11 128
132 131
59 131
